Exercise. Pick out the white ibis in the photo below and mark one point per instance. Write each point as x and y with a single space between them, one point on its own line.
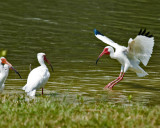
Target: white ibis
139 50
4 70
38 77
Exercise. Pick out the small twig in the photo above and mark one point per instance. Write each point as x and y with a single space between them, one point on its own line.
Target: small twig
30 67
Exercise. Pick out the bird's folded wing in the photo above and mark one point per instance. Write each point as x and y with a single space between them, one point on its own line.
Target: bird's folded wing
35 79
141 47
105 39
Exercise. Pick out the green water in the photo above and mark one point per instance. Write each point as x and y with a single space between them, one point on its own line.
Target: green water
64 31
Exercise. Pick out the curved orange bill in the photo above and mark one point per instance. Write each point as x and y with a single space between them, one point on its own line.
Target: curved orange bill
48 63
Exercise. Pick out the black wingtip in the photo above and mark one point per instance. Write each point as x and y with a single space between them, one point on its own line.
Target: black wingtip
144 33
150 36
96 32
147 34
140 32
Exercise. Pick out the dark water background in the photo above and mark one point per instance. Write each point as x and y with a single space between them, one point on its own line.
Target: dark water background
64 31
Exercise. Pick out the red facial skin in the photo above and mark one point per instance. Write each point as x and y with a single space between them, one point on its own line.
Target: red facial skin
105 51
48 61
4 61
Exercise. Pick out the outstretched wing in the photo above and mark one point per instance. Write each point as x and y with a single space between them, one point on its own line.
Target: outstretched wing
105 39
142 46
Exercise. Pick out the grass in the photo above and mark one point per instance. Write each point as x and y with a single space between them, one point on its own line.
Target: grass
52 112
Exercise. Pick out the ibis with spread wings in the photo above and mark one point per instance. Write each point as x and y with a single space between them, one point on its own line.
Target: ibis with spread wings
139 50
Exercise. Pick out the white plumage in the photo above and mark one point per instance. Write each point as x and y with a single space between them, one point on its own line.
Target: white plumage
138 50
38 77
4 71
141 47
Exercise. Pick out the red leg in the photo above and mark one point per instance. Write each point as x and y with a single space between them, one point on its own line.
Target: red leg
108 85
42 91
121 78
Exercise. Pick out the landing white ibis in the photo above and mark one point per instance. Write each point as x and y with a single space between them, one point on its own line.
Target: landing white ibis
139 50
38 77
4 70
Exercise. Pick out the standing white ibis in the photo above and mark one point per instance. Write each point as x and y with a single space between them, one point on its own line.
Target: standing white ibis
4 70
139 50
38 77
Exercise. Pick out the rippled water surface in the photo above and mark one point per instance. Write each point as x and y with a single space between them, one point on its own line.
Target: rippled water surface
64 31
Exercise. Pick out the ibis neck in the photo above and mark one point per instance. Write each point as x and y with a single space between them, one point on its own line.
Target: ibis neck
41 62
112 55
